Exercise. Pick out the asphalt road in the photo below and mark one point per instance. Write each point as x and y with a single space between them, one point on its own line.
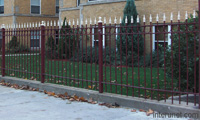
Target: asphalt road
28 105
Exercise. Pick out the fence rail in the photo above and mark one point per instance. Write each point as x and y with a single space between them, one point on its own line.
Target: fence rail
149 60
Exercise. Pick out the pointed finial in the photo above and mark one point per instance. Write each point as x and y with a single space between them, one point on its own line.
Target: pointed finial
194 14
54 23
144 18
120 20
150 18
179 16
100 21
43 23
27 25
81 22
138 19
157 18
171 16
115 21
126 20
186 15
77 22
164 17
95 20
73 22
33 25
110 21
131 19
48 23
69 22
51 23
16 25
104 20
30 25
90 21
86 22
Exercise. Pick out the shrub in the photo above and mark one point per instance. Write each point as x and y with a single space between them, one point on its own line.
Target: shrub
92 56
15 47
51 48
67 42
183 57
127 44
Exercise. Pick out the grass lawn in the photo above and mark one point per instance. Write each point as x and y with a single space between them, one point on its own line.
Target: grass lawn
28 67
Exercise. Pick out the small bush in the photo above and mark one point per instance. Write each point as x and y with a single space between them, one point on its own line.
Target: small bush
15 47
51 48
92 56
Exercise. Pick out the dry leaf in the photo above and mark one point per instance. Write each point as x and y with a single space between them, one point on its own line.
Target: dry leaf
141 110
133 110
66 94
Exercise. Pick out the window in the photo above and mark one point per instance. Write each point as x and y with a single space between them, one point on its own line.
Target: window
78 2
161 36
57 6
57 37
1 6
95 37
35 6
108 38
35 39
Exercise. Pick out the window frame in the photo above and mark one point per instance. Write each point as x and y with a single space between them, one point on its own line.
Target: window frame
34 5
57 6
35 37
154 41
3 7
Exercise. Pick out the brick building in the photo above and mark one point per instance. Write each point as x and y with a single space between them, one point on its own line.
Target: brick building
28 11
82 9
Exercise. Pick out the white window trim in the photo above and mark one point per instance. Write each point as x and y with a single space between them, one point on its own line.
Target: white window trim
154 37
40 8
98 40
77 3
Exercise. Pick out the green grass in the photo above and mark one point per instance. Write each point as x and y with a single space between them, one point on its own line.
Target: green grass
82 71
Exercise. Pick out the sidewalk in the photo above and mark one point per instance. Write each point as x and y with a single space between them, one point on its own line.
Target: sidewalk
28 105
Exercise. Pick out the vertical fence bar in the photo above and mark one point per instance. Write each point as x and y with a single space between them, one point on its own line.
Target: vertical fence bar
199 52
3 50
100 56
42 52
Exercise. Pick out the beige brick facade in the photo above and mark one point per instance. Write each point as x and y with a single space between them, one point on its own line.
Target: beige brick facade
19 11
114 8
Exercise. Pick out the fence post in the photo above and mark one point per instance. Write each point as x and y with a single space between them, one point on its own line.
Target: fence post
3 50
100 56
199 50
42 52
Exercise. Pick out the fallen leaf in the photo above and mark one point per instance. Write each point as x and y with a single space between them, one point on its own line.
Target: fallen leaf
51 93
133 110
141 110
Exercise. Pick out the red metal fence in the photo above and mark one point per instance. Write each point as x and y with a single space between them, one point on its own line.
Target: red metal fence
149 60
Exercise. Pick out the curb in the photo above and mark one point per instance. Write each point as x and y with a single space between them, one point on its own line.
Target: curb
122 100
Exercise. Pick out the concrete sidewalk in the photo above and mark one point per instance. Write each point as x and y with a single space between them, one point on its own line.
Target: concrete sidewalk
28 105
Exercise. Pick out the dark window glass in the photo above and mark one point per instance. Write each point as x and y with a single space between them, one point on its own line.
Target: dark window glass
35 43
57 37
35 9
57 9
35 39
1 9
